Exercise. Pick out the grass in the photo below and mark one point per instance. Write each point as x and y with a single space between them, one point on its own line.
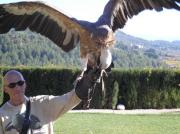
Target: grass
84 123
175 63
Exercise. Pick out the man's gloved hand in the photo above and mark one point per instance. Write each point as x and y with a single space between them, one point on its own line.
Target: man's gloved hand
85 86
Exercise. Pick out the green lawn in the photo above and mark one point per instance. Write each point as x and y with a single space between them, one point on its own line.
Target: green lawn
84 123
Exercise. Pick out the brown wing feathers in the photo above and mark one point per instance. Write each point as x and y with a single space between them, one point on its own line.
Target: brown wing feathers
65 36
120 10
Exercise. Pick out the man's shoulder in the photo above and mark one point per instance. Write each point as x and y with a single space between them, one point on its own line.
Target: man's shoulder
3 108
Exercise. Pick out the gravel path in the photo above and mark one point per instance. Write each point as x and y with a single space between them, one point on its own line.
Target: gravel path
135 111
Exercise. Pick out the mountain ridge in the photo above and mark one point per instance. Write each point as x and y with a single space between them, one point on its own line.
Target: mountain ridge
28 48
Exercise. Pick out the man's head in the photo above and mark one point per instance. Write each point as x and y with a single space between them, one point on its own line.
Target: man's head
14 86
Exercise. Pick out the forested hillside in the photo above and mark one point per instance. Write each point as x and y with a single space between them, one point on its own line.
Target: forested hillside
30 49
166 51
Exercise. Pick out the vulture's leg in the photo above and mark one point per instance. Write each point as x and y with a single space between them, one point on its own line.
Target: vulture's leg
105 62
104 72
101 75
84 62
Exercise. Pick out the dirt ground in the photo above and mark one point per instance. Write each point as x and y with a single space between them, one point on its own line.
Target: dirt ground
134 111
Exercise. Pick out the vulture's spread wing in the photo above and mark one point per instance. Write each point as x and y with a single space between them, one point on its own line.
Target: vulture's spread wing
117 12
42 19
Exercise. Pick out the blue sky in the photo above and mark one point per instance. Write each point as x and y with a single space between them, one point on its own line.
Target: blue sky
148 25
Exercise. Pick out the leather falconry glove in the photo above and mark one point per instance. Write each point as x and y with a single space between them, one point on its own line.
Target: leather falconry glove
86 85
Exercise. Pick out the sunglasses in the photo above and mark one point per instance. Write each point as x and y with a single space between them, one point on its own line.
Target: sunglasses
13 85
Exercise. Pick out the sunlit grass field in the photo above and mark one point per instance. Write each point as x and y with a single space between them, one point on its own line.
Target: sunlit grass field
91 123
175 63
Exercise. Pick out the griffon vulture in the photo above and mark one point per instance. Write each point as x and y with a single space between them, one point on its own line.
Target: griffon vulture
94 39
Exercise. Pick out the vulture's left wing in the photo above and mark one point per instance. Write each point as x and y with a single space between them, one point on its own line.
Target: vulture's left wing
42 19
117 12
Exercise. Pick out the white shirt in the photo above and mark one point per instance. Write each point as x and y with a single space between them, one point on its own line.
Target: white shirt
46 108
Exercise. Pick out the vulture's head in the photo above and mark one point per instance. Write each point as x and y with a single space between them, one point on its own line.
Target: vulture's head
103 36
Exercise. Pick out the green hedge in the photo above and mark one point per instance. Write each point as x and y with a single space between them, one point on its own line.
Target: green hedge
133 88
1 93
145 88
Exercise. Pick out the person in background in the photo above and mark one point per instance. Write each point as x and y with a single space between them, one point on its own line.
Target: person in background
35 115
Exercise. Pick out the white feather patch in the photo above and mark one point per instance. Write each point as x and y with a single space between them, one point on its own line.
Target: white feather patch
105 58
67 38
